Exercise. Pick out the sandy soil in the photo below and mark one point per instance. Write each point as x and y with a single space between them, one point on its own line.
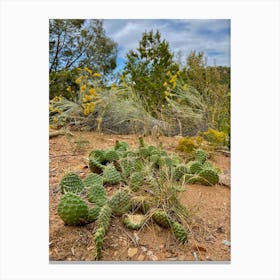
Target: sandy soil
209 230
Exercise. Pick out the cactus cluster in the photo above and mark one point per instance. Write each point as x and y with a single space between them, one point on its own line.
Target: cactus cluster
149 177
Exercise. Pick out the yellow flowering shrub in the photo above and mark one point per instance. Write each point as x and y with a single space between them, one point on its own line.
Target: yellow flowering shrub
215 137
189 144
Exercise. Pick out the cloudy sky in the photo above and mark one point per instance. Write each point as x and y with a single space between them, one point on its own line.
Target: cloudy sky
210 36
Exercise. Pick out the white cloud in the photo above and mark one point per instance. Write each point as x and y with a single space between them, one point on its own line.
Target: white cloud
209 36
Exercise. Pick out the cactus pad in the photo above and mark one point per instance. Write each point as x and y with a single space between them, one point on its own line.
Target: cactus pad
161 218
194 167
179 171
136 181
119 203
134 221
143 203
97 194
200 156
71 182
179 232
111 155
208 177
93 213
127 166
93 179
95 166
111 175
121 146
99 155
73 210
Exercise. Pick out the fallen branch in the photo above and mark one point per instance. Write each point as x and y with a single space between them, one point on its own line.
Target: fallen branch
57 133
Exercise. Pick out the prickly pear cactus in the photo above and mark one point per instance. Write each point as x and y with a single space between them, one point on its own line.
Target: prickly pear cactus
111 155
95 166
179 171
73 210
179 232
161 218
127 166
93 179
194 167
208 177
121 146
97 194
144 152
98 240
134 221
200 156
99 155
119 203
103 222
71 182
165 161
111 175
93 213
136 181
142 203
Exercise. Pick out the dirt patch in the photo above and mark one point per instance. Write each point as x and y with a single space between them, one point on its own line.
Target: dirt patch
209 229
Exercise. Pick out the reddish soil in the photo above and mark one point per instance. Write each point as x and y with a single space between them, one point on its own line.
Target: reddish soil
209 228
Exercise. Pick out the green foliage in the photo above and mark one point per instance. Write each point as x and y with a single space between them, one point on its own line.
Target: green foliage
71 182
80 43
111 155
194 167
147 68
179 171
73 210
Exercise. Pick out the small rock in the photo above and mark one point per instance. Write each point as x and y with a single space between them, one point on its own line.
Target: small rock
153 258
132 252
136 238
144 249
220 229
141 258
149 253
226 242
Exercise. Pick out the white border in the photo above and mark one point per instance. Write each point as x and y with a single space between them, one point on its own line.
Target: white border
24 138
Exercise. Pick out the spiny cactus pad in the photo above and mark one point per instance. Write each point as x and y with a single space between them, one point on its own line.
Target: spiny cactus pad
104 217
194 167
93 213
122 146
127 166
134 221
111 155
71 182
200 156
93 179
73 210
179 171
99 155
111 175
208 177
97 194
136 181
119 203
161 218
179 232
142 203
95 166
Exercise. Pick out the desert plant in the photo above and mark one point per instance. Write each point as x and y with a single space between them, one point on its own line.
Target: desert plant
71 182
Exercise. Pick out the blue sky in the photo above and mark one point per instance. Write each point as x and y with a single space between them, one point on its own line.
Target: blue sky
210 36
